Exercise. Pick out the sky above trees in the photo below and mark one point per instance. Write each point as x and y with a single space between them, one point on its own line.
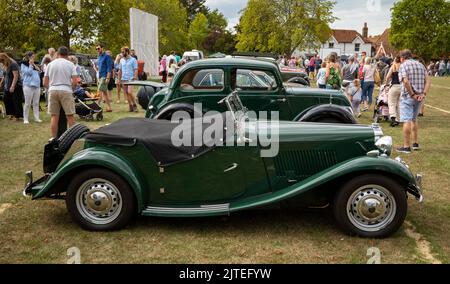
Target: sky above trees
352 14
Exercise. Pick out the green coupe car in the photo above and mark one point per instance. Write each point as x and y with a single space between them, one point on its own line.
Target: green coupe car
260 84
134 167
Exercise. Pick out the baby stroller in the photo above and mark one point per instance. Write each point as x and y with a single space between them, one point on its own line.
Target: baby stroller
86 108
382 105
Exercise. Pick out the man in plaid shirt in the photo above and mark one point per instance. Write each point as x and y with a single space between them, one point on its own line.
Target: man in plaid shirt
415 85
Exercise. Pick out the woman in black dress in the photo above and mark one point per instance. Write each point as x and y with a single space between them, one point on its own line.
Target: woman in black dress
13 88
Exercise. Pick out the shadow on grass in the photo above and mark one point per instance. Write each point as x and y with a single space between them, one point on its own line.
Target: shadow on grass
274 221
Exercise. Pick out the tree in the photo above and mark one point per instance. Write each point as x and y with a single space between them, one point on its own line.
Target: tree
44 23
281 26
193 7
423 26
198 31
217 21
257 26
51 20
225 44
173 27
218 39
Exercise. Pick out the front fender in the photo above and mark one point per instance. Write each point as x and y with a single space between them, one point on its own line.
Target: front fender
94 157
353 167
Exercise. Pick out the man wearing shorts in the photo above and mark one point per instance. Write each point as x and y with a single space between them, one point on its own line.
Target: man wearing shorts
61 79
414 79
105 67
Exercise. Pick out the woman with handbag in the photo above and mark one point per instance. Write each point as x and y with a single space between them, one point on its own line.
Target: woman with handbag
392 78
13 88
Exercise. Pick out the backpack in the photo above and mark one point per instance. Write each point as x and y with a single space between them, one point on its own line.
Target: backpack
334 79
361 72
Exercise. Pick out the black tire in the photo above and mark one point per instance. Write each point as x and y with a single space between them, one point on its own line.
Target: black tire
300 81
144 96
99 116
70 136
127 200
388 225
330 120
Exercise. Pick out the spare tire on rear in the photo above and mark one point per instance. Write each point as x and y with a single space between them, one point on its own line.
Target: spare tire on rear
300 81
144 96
70 136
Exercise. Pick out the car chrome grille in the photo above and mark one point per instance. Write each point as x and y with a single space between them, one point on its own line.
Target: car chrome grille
303 164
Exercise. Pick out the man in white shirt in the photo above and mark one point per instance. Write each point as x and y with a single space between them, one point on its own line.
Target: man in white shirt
61 79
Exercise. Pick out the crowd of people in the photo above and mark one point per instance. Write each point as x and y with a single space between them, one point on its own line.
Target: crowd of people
439 68
407 78
59 76
169 66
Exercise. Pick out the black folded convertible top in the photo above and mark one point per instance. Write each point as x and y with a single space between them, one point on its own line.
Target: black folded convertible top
156 136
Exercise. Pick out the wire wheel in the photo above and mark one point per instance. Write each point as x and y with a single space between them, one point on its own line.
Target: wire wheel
99 201
371 208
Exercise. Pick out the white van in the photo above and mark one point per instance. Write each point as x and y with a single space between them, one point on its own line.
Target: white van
193 55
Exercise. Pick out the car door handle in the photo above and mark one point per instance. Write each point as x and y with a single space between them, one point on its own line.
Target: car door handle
282 100
233 167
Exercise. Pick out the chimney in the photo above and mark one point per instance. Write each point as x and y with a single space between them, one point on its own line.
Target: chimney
365 32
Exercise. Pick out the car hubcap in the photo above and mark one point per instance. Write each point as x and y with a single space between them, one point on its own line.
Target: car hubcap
99 201
371 208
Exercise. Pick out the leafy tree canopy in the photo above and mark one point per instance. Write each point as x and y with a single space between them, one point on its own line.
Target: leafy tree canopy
38 24
281 26
193 7
198 31
423 26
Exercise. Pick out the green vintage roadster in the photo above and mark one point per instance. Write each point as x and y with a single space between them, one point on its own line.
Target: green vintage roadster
134 167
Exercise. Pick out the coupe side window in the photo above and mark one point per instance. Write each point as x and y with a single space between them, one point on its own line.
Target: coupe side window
254 80
204 79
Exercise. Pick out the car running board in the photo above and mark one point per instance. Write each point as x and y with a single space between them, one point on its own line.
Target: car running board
202 211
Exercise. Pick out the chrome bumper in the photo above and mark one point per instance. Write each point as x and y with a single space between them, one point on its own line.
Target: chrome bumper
419 178
30 184
416 188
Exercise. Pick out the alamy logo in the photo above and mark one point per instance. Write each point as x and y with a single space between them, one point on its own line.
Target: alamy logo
374 255
74 5
74 255
234 129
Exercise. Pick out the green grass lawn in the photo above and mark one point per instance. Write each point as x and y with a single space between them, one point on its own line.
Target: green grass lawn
42 231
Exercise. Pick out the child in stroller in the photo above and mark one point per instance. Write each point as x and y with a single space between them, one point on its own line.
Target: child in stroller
86 105
382 105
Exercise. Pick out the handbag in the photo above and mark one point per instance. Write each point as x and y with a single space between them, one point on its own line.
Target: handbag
377 78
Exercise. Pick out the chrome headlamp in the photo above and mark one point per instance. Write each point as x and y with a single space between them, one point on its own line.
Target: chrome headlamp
384 144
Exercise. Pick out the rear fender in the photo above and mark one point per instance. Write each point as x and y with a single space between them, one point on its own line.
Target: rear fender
93 158
171 109
315 113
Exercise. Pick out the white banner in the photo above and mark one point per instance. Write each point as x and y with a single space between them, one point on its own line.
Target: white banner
144 39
